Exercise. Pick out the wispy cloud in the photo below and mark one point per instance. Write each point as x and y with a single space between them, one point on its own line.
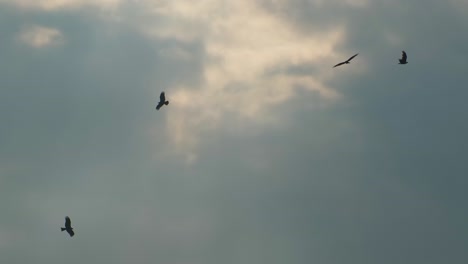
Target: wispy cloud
39 37
242 43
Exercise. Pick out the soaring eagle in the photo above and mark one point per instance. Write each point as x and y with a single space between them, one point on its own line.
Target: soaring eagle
403 58
347 61
162 101
68 227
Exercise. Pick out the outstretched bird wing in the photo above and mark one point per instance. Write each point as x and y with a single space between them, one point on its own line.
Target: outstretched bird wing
347 61
341 63
162 98
70 232
352 57
403 56
67 222
160 104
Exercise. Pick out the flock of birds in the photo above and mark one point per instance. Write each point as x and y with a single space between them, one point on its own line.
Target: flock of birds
162 97
163 101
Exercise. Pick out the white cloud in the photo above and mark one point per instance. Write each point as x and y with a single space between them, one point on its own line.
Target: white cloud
243 43
40 37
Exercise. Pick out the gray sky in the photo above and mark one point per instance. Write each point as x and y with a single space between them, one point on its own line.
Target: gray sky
265 153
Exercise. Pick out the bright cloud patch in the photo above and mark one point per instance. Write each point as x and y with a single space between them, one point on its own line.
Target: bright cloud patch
40 37
245 75
249 54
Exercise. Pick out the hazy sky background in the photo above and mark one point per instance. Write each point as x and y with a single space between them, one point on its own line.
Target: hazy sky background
265 153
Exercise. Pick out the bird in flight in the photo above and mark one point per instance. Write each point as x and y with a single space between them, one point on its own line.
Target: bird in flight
403 58
162 101
68 227
347 61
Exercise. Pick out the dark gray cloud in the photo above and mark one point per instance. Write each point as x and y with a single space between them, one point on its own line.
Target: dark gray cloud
377 176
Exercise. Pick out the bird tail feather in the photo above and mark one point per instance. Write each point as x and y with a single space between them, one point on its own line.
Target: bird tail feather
63 229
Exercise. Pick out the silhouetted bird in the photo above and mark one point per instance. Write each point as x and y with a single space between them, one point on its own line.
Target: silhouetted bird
403 58
68 227
346 62
162 101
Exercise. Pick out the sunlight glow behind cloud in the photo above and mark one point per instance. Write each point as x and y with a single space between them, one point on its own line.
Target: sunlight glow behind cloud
243 43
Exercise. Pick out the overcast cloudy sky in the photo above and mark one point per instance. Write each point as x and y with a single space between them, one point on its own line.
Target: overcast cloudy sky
265 153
